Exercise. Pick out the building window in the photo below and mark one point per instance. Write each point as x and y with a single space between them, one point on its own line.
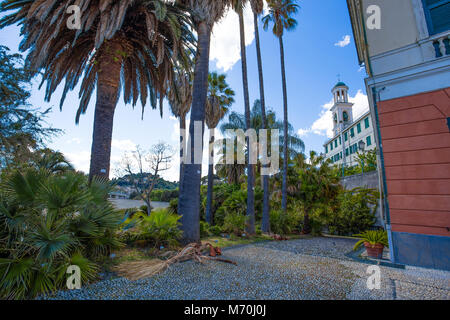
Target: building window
352 132
335 143
331 146
346 152
366 122
326 149
437 13
340 140
369 141
358 127
345 136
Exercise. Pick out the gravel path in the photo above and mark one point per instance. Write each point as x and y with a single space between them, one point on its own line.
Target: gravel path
315 268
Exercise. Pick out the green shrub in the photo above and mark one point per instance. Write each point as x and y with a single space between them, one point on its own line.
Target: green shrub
284 223
204 229
234 223
78 228
215 230
173 206
160 228
356 211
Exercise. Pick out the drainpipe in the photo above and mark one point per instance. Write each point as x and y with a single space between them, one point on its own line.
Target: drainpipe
375 94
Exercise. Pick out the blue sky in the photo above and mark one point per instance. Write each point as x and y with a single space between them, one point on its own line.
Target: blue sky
319 49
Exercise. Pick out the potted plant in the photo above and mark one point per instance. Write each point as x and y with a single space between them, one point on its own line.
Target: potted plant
374 241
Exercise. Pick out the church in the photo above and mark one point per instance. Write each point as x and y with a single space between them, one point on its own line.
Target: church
349 136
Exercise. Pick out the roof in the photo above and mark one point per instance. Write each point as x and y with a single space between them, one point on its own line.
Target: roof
340 84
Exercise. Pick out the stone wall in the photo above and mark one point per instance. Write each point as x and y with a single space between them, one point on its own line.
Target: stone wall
367 180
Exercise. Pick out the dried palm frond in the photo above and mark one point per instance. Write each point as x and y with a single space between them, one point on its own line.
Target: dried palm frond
144 269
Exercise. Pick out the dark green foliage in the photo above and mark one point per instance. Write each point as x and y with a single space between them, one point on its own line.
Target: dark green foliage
284 222
48 222
234 222
356 212
21 126
161 228
161 184
164 195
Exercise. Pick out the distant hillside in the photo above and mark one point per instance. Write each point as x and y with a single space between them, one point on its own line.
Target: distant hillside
125 182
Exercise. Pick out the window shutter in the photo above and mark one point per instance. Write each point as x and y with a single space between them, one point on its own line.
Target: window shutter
437 13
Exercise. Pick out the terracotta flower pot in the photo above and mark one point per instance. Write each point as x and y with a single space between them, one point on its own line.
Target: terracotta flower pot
374 250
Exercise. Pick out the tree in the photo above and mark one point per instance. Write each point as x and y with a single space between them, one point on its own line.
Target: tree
280 15
315 182
180 98
220 98
238 6
21 126
236 121
155 161
205 13
257 8
129 44
231 172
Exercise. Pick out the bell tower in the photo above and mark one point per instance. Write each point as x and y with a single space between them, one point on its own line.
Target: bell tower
342 108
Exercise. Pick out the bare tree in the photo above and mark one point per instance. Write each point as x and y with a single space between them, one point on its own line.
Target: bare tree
142 166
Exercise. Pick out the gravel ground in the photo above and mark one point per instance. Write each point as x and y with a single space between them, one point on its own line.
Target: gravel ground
315 268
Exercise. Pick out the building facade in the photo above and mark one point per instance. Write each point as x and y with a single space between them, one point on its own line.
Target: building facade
405 48
343 148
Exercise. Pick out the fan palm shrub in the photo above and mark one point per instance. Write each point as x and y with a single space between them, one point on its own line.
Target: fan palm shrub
49 222
133 45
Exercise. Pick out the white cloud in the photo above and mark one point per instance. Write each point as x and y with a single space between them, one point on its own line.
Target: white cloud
303 132
225 41
80 160
344 42
74 140
123 145
324 124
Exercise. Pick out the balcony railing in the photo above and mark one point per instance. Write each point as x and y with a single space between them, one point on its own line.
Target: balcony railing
441 44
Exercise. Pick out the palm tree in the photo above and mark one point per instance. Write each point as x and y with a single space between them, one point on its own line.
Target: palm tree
280 14
220 98
129 44
237 121
257 8
231 172
205 13
180 99
238 6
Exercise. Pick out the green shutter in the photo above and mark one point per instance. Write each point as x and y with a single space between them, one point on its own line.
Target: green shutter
369 141
352 132
345 136
358 127
366 122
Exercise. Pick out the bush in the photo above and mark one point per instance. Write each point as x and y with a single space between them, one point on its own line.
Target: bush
204 229
160 228
78 228
173 206
234 223
284 223
356 211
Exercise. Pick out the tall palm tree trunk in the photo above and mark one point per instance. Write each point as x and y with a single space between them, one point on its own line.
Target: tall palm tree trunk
250 225
209 216
285 106
107 95
182 150
189 205
265 225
